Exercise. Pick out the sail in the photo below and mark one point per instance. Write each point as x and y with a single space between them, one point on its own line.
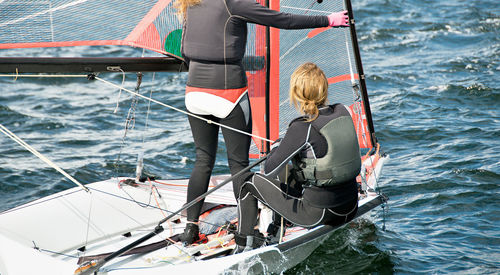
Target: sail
149 24
271 55
334 50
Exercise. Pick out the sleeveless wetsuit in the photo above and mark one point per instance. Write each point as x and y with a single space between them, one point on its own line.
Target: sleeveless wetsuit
299 202
213 45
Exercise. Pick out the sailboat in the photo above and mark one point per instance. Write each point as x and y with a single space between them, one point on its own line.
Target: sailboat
131 225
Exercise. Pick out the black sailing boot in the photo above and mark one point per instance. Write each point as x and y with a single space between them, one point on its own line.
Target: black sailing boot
246 243
191 234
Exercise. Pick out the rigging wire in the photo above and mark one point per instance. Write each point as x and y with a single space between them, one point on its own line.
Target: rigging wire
21 142
149 99
140 155
130 120
32 150
184 112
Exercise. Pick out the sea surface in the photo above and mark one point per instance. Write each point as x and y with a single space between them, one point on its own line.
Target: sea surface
433 76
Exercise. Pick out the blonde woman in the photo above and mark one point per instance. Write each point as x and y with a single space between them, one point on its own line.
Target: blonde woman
321 187
213 44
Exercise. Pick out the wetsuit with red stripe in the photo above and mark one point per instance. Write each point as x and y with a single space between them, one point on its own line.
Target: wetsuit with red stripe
213 44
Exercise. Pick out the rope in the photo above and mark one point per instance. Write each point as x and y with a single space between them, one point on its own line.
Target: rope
120 92
153 189
40 156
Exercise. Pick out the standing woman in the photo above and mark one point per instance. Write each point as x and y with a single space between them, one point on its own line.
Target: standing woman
321 188
213 45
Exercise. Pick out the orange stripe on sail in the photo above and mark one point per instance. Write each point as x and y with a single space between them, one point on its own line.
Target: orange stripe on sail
147 20
341 78
317 31
230 94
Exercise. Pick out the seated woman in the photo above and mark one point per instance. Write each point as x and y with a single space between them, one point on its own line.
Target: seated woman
321 187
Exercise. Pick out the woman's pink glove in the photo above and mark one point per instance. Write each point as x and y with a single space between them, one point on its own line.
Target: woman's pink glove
338 19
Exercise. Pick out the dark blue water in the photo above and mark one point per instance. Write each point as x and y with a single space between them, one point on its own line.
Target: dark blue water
432 72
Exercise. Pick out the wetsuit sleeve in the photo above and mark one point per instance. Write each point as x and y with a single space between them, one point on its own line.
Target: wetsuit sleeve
253 12
292 144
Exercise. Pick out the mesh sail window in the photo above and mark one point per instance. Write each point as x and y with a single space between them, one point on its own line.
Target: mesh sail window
332 49
147 24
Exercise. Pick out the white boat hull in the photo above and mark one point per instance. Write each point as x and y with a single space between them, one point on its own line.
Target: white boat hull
74 223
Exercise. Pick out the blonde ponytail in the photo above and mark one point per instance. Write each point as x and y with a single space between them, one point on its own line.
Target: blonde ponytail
308 89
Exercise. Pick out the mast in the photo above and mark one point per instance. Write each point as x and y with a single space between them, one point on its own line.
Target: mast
359 65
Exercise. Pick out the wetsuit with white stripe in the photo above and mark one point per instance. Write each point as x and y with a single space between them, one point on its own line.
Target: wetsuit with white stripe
213 45
301 204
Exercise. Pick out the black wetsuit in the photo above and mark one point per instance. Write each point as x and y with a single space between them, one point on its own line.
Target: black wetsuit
302 205
213 45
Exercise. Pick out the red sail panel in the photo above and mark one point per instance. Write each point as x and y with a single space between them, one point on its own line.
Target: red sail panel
358 115
257 86
274 86
258 106
256 47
